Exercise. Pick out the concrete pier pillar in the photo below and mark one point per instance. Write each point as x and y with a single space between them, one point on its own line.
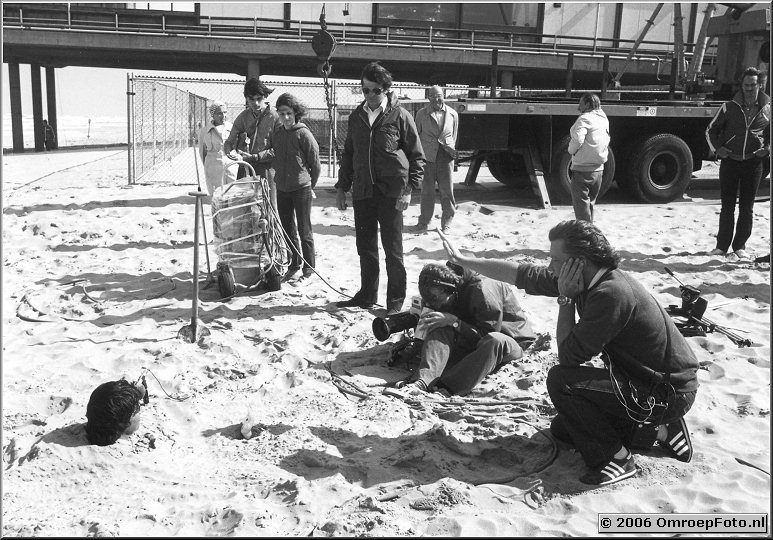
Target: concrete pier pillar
16 123
253 68
51 101
37 107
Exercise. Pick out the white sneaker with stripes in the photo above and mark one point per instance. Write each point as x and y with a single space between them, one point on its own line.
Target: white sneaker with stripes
678 441
612 471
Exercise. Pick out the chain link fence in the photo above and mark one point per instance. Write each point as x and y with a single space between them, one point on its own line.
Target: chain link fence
166 115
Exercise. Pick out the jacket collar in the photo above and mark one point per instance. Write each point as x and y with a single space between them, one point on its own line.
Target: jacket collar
762 98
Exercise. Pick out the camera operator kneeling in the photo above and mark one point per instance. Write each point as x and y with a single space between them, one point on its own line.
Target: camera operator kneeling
473 327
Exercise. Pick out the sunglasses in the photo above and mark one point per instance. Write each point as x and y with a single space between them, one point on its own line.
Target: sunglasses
376 91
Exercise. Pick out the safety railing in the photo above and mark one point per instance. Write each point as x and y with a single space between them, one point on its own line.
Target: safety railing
128 20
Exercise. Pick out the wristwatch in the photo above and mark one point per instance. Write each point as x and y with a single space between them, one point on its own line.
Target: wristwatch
455 324
564 300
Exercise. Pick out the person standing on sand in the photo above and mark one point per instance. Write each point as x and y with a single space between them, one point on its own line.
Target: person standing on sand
49 136
297 169
382 162
739 134
589 147
211 148
256 124
437 125
650 373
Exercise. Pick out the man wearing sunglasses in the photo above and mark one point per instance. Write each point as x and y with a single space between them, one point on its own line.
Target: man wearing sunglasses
381 164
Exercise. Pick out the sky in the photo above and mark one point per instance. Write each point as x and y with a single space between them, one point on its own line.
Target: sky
85 91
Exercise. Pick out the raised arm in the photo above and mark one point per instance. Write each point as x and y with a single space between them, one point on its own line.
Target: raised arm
493 268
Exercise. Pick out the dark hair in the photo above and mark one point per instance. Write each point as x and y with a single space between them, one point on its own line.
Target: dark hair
437 275
110 410
378 74
253 87
751 71
591 100
583 239
291 101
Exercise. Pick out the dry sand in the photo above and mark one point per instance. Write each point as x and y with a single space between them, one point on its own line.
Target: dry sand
97 282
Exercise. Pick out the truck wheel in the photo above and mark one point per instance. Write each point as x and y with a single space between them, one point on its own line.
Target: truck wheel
225 280
508 168
560 183
659 169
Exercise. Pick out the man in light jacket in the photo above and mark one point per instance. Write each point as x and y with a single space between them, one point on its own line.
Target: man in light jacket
589 148
437 124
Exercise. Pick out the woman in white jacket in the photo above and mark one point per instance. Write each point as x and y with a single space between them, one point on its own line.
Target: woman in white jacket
211 148
589 148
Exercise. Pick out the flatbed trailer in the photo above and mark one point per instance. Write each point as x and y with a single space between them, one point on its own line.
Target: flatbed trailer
655 145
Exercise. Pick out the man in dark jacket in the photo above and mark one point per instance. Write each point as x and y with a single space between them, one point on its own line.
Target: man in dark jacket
650 374
739 134
381 164
474 326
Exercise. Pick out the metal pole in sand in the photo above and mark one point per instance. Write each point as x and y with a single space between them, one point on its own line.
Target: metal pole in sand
203 222
196 329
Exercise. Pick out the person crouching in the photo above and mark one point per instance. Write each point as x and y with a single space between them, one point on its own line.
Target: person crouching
476 326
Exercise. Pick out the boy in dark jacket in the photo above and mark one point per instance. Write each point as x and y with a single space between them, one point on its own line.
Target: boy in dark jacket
296 171
381 164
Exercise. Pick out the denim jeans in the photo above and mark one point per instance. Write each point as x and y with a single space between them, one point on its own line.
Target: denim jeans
585 190
737 180
296 205
371 214
460 365
593 415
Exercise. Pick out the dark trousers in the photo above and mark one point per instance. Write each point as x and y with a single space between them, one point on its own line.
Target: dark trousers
585 188
296 205
370 214
460 365
738 180
594 418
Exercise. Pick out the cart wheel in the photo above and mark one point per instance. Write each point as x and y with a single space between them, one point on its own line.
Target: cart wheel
225 281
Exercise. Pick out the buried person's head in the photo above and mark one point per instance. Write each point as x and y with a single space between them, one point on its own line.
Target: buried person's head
113 409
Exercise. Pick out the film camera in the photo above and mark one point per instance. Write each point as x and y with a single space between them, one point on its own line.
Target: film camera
383 327
691 312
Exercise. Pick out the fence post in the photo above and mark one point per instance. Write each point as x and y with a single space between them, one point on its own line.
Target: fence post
335 127
153 116
209 26
430 35
69 17
255 26
300 32
472 38
343 34
129 112
116 20
21 17
387 33
163 22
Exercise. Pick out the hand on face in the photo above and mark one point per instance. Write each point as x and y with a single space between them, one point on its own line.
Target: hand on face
570 280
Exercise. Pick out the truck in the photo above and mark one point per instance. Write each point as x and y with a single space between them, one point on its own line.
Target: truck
657 139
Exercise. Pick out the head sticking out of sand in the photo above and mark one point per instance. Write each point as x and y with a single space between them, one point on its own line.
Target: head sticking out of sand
113 409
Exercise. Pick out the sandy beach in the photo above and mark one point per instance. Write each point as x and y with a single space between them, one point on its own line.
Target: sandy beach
97 282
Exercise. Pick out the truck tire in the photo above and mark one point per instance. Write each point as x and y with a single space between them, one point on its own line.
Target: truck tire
508 168
659 168
560 182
